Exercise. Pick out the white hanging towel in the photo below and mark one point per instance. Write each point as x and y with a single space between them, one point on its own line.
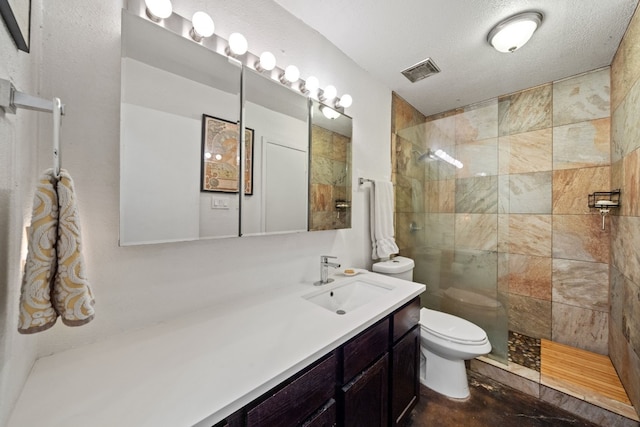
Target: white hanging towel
382 234
54 282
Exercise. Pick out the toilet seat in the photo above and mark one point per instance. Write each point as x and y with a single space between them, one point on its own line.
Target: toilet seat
451 328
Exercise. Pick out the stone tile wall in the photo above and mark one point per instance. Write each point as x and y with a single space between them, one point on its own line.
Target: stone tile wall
624 324
330 160
518 208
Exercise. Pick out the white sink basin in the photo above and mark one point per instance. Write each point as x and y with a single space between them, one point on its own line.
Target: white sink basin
347 297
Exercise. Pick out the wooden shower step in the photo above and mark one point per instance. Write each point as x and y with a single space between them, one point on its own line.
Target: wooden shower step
583 374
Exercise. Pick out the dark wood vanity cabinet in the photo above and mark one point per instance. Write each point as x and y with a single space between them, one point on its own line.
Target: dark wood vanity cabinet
405 363
298 399
370 381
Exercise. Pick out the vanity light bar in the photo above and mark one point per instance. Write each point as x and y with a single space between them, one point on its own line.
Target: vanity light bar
202 31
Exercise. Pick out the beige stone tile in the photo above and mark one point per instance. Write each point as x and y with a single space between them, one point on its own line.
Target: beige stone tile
503 233
631 315
403 194
580 237
440 230
504 376
503 273
525 111
405 238
321 197
625 67
440 196
480 158
320 142
530 235
341 147
477 122
627 364
630 204
527 152
530 276
617 181
580 327
571 188
476 231
530 193
580 98
530 316
582 144
514 368
403 114
477 195
582 284
626 126
625 241
406 159
440 133
588 405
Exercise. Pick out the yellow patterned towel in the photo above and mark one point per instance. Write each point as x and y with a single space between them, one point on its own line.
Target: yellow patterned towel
54 282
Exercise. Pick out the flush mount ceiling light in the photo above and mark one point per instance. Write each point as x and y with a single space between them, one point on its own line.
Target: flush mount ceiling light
329 112
512 33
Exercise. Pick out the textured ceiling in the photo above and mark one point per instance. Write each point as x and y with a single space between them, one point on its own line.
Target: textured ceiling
384 37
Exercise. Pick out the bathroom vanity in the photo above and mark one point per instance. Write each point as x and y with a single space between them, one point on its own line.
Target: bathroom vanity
279 358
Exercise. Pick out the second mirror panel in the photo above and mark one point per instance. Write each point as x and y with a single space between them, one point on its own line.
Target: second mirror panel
276 119
330 186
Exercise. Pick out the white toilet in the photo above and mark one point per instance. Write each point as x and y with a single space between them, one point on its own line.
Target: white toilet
446 341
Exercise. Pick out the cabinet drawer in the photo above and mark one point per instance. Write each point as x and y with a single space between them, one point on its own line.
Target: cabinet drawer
326 417
364 349
296 401
406 318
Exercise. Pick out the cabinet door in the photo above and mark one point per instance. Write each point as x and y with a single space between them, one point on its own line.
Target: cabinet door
364 400
405 385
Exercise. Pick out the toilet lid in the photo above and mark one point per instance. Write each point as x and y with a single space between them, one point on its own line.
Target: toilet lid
451 328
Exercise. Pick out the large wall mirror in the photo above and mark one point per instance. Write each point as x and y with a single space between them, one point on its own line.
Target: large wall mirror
182 161
330 180
277 119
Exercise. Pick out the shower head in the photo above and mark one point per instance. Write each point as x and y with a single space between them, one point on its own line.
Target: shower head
426 156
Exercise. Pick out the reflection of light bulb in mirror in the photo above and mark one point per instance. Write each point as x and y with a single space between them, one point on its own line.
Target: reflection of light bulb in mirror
207 155
329 113
218 157
158 10
267 62
238 44
237 160
310 85
202 26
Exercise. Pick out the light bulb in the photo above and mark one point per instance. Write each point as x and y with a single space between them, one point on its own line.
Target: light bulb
202 26
310 85
329 92
207 155
291 74
238 44
267 62
345 101
158 10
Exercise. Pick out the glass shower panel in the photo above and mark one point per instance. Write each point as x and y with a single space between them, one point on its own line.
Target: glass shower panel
457 255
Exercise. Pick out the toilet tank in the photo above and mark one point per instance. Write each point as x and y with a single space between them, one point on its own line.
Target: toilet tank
399 267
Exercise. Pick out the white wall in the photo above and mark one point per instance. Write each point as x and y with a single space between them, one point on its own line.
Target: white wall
18 174
141 285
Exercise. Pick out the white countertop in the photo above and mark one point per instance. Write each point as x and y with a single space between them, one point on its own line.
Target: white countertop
196 370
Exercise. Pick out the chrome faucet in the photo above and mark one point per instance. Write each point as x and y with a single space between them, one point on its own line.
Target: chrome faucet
324 269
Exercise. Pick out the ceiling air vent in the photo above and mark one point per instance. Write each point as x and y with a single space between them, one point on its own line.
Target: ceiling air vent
421 70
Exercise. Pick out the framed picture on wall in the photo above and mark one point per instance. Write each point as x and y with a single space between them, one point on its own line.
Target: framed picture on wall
17 17
220 171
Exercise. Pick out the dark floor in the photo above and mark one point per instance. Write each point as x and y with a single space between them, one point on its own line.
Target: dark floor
490 404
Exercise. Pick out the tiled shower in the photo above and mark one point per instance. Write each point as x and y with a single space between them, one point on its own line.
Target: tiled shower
508 240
